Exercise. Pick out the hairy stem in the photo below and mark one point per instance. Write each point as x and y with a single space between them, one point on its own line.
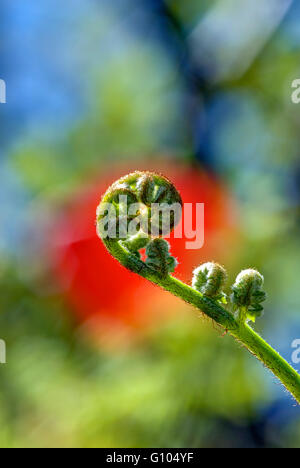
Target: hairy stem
239 330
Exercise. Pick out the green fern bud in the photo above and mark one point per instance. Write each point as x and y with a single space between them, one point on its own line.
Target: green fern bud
209 279
248 294
159 258
136 243
147 195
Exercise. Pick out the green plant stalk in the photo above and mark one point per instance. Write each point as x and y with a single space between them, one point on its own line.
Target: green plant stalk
239 330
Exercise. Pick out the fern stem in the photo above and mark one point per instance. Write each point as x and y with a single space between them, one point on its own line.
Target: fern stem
239 330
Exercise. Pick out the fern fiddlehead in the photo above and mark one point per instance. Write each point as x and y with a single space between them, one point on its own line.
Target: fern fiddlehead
130 218
209 279
248 294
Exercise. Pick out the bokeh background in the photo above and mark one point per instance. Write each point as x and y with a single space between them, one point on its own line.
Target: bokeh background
200 90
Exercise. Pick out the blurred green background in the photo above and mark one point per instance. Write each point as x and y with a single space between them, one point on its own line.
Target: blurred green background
94 86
